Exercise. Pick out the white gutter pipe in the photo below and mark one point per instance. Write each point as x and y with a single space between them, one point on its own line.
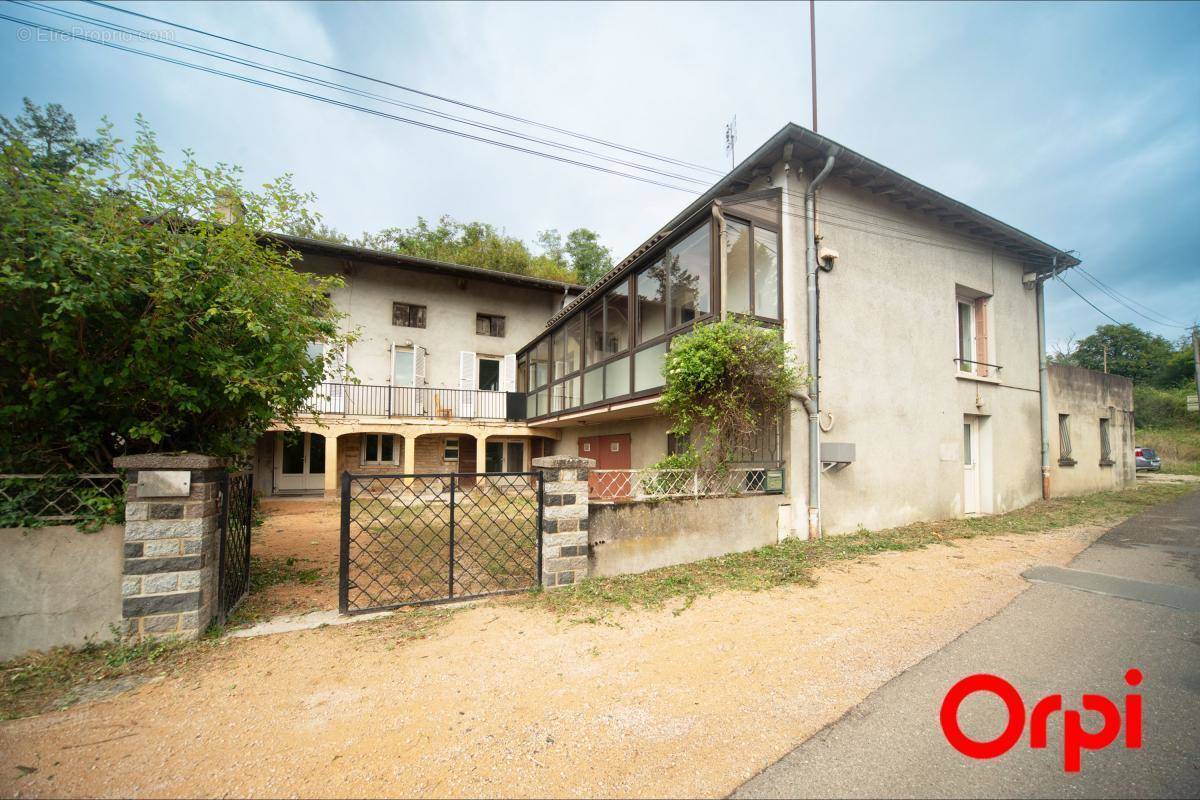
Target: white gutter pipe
813 408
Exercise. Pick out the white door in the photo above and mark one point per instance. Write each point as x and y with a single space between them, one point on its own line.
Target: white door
299 462
971 468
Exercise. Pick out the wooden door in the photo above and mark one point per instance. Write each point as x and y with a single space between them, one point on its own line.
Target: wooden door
612 452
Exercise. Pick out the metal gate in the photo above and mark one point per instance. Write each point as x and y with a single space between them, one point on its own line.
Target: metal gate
431 538
233 549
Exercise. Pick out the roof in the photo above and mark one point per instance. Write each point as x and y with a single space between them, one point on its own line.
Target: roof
863 173
401 261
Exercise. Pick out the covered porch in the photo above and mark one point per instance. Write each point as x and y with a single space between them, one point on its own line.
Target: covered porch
309 460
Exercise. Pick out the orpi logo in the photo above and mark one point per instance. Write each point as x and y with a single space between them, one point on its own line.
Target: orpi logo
1076 738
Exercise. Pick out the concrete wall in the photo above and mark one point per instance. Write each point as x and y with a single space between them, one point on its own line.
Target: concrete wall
58 587
1087 397
644 535
452 304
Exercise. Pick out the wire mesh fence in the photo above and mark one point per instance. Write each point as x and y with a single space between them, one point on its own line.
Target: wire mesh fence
30 501
237 522
409 539
648 484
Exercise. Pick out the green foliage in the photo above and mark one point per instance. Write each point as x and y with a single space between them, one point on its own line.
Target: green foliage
589 258
28 502
687 460
1157 408
138 314
724 382
1145 358
1177 445
50 134
581 259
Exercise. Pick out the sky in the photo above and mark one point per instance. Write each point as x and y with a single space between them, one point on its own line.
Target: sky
1078 123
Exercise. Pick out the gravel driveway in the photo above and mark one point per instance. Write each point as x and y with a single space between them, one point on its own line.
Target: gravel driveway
502 700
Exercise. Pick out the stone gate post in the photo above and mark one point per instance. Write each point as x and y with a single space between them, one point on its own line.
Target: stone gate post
172 516
564 519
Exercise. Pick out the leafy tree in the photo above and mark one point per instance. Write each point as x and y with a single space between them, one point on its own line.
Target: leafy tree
589 258
1131 352
136 314
725 381
50 135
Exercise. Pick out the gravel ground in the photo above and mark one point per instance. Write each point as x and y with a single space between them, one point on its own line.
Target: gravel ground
503 700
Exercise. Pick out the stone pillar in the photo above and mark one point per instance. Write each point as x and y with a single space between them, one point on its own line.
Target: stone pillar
169 586
564 519
332 474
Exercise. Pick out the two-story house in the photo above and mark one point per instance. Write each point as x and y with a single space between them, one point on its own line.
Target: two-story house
429 385
923 317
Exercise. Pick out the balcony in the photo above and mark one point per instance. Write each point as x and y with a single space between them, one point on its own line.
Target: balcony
360 400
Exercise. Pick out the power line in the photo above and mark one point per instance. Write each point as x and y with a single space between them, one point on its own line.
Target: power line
342 104
431 95
1115 295
312 79
1084 299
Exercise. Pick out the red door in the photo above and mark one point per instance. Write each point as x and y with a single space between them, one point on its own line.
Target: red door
611 453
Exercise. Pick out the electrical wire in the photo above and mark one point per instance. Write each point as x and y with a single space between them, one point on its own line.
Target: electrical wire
1084 299
1120 298
431 95
312 79
341 103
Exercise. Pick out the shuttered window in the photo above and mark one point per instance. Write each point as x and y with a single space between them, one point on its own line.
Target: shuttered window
1105 447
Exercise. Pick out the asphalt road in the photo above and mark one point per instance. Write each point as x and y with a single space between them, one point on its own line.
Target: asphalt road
1132 599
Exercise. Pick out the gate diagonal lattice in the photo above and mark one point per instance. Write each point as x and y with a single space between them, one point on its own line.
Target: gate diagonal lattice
236 522
430 538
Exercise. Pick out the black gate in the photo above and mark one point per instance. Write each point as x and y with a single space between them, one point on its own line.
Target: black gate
233 553
431 538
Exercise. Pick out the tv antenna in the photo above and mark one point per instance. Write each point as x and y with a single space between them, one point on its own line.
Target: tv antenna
731 140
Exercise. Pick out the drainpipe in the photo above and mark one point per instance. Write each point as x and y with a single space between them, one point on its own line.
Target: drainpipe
722 263
1044 380
814 425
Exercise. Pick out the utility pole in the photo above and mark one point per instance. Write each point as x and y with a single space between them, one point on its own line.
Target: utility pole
812 39
1104 349
1196 357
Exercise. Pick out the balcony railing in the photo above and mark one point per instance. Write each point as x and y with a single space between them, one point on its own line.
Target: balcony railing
360 400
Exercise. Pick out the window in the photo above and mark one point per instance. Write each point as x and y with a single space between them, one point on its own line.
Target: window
689 278
1105 448
593 332
752 270
1064 441
539 365
486 325
616 320
450 450
402 367
677 445
651 303
408 315
379 448
489 374
968 452
973 352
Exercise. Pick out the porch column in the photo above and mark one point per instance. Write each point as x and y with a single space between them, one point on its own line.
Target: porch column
332 478
481 452
410 454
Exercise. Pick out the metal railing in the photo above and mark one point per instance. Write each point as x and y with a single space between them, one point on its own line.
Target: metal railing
651 484
355 399
58 498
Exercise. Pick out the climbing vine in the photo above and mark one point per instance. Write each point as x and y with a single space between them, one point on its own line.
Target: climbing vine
725 381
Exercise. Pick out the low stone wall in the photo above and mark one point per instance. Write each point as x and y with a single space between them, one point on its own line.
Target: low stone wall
58 587
644 535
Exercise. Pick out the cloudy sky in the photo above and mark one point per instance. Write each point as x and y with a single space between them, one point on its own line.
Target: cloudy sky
1079 123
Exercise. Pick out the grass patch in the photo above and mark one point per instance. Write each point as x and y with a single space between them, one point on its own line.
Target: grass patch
1178 447
268 572
793 562
58 678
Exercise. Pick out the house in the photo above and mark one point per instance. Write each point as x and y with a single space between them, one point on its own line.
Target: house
924 316
429 384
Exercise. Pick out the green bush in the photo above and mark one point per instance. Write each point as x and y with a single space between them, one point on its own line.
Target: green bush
1159 408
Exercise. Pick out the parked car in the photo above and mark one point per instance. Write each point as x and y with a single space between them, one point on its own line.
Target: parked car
1147 459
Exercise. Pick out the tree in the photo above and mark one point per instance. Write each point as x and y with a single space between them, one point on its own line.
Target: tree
50 135
137 315
589 258
1127 350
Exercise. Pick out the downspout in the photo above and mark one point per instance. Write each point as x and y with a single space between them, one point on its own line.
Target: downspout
813 408
1044 379
722 262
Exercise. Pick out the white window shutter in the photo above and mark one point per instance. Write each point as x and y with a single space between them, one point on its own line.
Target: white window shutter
508 373
466 369
419 374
